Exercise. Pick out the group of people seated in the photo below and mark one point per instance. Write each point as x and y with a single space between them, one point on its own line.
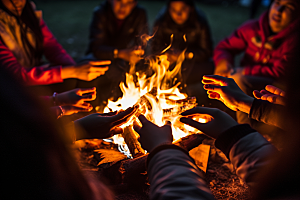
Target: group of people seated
262 89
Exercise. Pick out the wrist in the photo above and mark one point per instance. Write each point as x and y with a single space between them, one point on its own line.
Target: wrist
68 72
245 104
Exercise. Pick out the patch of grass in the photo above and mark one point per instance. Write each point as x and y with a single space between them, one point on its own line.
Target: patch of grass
69 20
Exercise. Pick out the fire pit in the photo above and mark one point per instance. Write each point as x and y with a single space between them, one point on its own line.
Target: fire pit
121 159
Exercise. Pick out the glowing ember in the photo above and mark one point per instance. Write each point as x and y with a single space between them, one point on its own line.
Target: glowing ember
157 96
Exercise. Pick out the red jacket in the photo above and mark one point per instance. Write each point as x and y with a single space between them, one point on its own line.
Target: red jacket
265 55
53 51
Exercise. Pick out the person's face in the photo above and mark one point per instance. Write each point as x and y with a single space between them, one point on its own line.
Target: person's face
14 6
179 12
282 13
122 8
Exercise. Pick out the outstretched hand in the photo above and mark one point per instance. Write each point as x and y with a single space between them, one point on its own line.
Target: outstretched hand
77 97
226 90
271 94
219 123
151 135
102 126
86 71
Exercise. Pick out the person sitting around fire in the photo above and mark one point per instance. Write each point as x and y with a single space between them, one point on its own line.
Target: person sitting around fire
266 108
268 45
191 31
115 34
33 137
269 173
25 38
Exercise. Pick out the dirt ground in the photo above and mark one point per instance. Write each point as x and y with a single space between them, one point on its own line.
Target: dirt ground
220 176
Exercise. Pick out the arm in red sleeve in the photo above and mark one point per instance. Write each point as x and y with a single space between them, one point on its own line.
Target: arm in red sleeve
32 76
235 44
275 70
53 51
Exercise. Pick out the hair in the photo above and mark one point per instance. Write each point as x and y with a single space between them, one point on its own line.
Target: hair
187 2
29 19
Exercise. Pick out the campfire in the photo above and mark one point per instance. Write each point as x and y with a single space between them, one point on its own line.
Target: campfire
158 98
121 160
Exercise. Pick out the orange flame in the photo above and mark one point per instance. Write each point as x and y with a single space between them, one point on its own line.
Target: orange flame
158 101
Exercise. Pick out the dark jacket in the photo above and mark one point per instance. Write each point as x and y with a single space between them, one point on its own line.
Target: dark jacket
268 113
105 36
174 175
196 30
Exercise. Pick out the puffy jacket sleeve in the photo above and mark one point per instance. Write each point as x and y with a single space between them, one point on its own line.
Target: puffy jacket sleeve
174 175
32 76
268 113
231 46
279 66
53 51
248 151
38 75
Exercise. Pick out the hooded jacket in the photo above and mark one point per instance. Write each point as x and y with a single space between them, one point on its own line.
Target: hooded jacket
194 34
265 55
105 35
14 59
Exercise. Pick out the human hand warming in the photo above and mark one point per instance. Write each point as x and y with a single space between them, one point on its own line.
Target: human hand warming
86 71
219 123
77 97
226 90
132 55
271 94
72 109
102 126
151 135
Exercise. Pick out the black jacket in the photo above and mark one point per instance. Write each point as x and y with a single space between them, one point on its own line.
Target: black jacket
105 36
268 113
197 33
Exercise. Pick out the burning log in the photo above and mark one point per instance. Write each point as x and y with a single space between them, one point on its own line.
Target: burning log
131 140
131 173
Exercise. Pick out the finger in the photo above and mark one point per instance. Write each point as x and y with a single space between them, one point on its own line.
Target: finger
266 92
200 110
143 120
275 90
215 88
257 94
214 95
82 91
124 114
219 79
136 127
102 62
98 69
191 123
89 97
270 98
108 114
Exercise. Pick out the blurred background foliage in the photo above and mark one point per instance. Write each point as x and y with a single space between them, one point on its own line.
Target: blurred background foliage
69 19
